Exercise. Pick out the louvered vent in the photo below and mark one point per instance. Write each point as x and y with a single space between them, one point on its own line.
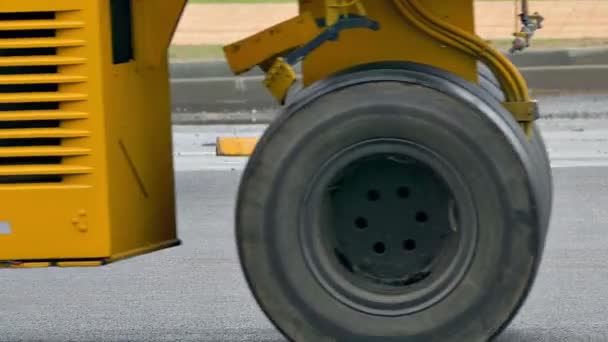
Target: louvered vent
38 94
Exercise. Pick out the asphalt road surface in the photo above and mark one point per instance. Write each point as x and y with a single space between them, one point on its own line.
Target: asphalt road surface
196 292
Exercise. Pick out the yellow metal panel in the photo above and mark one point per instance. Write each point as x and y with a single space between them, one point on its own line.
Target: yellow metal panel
68 219
79 263
138 131
24 133
41 115
232 146
46 151
115 194
40 60
13 25
40 79
28 170
154 25
42 6
145 249
30 265
39 43
280 78
396 40
247 53
52 231
40 97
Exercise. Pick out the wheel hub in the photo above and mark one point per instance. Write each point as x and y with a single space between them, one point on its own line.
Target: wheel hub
391 220
387 236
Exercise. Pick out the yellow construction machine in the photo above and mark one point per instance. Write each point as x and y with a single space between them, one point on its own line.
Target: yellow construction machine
403 194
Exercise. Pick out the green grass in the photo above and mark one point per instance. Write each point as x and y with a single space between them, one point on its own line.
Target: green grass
216 52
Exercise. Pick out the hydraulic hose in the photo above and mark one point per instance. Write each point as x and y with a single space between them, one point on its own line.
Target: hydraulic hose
483 48
512 81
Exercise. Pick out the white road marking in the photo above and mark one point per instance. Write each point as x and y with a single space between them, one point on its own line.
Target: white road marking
208 161
571 144
563 164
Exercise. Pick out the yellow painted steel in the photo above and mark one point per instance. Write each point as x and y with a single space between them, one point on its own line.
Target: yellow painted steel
39 43
114 195
235 146
432 32
46 151
110 191
155 24
397 40
16 25
41 97
26 115
263 47
40 79
79 263
27 265
279 79
40 61
338 8
24 133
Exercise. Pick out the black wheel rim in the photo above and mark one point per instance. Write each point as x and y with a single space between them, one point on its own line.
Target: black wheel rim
388 227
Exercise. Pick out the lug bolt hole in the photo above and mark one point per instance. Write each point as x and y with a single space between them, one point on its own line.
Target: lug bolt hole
409 245
361 223
379 248
422 217
373 195
403 192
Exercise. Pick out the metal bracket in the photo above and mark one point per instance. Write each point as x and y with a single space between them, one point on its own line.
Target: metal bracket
335 9
530 24
332 33
524 111
281 76
279 79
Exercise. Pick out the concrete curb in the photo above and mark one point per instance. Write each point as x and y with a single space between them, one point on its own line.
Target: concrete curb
207 92
265 118
561 57
573 78
240 94
553 105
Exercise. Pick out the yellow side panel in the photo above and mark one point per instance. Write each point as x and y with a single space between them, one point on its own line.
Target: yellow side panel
50 222
110 193
155 23
68 219
139 147
397 40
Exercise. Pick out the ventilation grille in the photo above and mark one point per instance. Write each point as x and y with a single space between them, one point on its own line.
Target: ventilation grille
38 96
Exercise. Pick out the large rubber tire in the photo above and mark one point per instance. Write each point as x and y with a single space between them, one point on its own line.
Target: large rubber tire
489 82
432 130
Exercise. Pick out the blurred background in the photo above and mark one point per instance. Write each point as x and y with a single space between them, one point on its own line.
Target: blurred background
207 24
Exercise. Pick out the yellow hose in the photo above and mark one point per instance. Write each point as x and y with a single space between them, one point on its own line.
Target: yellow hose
482 48
512 92
423 27
515 87
408 13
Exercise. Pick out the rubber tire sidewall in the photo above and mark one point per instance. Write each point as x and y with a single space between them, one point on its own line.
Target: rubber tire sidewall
276 177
